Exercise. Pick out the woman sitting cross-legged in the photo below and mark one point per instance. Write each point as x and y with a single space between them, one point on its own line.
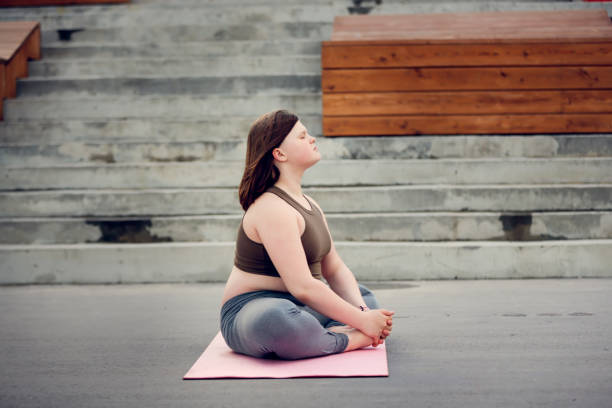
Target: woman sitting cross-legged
275 303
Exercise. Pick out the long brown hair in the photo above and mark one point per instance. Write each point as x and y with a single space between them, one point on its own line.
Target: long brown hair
265 135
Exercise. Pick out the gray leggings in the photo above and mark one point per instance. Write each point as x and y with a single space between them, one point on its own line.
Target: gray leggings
269 324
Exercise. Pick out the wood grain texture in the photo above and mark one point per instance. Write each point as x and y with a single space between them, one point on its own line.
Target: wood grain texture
464 55
476 78
467 20
17 34
476 35
19 41
466 124
467 102
32 44
474 73
488 26
16 68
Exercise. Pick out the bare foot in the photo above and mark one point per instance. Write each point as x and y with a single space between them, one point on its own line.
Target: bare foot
356 338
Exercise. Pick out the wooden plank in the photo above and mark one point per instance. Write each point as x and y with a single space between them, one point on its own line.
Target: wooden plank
32 44
361 25
36 3
335 55
16 68
466 124
16 34
476 35
480 73
476 78
527 25
19 41
467 102
16 25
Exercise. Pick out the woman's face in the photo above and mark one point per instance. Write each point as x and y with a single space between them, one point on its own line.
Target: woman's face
299 147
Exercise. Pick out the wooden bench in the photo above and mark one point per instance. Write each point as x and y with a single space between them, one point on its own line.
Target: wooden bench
36 3
19 41
468 73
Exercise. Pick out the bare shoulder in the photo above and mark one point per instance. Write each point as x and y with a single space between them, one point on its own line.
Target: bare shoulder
268 208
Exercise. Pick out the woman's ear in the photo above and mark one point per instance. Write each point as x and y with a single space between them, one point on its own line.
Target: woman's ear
279 155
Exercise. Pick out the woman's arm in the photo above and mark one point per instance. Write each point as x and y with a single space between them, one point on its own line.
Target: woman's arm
340 278
278 227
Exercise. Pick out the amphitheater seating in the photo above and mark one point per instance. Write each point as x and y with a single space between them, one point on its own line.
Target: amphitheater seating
19 41
468 73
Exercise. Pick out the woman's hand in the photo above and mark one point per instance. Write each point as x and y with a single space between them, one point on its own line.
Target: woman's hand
377 324
385 333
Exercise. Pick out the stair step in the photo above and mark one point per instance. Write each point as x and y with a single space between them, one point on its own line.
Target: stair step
96 50
38 155
197 32
519 198
326 173
176 107
171 68
175 14
171 86
217 129
211 262
75 140
121 152
344 227
227 13
138 126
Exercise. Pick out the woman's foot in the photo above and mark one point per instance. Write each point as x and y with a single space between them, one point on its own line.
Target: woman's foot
356 338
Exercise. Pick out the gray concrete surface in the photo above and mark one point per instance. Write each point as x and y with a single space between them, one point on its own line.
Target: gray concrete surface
203 67
327 173
516 343
206 262
174 106
421 227
525 198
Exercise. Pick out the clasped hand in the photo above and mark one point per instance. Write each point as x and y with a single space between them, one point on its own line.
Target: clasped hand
378 326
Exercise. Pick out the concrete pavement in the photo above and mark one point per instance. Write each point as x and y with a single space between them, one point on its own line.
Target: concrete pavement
488 343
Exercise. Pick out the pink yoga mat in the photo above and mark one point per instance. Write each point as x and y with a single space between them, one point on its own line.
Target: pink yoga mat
219 361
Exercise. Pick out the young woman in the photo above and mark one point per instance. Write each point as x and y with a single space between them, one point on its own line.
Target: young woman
275 303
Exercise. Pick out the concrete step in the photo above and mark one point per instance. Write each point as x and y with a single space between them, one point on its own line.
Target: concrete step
217 129
68 50
181 86
414 227
177 14
436 198
326 173
197 32
48 141
170 67
121 152
208 262
177 107
262 24
227 13
44 154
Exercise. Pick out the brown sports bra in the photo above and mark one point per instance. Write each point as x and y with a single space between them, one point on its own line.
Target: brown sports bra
252 256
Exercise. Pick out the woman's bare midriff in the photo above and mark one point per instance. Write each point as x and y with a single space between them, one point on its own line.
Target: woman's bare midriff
240 282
